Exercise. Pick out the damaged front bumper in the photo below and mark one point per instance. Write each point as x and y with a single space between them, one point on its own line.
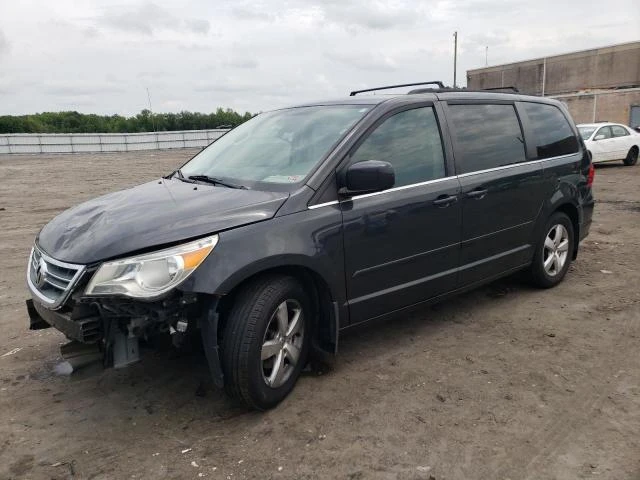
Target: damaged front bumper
115 325
85 330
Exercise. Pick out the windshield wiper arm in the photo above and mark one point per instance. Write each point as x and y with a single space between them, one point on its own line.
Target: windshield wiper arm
178 174
215 181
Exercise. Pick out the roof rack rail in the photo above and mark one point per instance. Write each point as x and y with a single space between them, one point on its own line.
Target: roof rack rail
437 82
501 89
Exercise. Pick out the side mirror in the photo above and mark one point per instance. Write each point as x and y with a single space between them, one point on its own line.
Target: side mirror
367 177
599 137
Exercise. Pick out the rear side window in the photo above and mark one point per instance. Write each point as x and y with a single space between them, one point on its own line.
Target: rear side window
487 136
410 141
553 135
619 131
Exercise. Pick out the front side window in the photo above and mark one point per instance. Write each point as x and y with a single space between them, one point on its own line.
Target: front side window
585 132
411 142
619 131
487 136
553 135
603 134
276 149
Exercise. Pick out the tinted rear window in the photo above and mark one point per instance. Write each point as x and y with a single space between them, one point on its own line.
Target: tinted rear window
552 133
487 136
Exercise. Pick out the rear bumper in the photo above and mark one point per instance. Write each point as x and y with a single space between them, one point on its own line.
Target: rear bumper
85 330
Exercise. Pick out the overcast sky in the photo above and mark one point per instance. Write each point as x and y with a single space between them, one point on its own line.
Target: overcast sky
99 56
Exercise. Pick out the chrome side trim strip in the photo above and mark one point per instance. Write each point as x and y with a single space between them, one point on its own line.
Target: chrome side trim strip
437 180
326 204
496 169
514 165
403 187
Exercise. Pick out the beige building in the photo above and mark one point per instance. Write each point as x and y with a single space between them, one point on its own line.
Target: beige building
601 84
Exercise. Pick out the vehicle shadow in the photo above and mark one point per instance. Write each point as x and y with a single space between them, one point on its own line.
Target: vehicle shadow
609 165
429 319
166 381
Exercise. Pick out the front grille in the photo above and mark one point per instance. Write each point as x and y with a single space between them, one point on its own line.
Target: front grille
51 280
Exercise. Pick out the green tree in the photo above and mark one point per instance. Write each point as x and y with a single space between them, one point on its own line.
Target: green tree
145 121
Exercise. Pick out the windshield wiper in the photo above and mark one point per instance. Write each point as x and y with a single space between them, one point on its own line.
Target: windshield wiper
178 174
215 181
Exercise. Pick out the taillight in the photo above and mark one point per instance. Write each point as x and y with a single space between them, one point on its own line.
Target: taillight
591 175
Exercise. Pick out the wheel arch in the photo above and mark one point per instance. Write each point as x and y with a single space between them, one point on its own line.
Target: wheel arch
326 312
571 211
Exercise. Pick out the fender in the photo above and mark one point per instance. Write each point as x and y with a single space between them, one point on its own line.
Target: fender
311 239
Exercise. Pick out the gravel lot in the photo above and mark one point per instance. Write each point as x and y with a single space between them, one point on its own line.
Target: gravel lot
503 382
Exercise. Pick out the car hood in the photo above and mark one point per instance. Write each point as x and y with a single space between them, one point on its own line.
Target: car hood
151 215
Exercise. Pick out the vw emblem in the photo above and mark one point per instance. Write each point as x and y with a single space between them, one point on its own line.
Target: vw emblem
41 273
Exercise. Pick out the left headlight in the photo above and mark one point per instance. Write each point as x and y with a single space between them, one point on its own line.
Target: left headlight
152 274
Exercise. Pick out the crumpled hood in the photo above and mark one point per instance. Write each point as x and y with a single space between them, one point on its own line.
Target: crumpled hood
149 215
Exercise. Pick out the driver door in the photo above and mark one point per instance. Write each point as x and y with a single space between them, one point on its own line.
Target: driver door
402 244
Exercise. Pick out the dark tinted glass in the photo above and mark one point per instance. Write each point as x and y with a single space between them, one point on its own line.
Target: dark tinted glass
552 133
487 136
410 141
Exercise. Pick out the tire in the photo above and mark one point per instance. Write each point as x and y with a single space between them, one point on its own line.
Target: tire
542 273
632 157
255 325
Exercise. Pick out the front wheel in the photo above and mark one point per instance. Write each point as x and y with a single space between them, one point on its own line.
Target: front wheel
266 341
632 157
554 252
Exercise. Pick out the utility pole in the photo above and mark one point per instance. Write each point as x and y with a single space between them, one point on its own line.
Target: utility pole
486 56
455 57
153 123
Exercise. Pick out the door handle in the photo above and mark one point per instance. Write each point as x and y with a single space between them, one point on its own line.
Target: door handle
445 200
478 193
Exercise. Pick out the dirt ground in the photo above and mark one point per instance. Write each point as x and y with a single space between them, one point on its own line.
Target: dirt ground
506 382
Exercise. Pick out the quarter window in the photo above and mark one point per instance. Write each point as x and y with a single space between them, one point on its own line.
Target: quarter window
411 142
487 136
619 131
553 135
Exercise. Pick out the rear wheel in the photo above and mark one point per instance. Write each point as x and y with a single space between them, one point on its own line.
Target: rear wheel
266 341
632 157
554 252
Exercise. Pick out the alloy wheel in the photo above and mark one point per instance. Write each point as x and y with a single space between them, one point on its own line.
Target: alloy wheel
282 343
556 250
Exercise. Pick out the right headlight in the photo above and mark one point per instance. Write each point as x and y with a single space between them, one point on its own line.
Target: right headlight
153 274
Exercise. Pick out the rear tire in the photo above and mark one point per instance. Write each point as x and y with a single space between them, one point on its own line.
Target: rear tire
554 252
632 157
266 341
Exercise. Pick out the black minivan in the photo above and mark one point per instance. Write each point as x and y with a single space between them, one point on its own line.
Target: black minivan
305 221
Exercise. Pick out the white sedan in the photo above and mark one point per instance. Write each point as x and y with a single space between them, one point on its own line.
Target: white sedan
608 142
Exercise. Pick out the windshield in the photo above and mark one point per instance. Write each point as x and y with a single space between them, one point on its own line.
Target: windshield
275 148
585 132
